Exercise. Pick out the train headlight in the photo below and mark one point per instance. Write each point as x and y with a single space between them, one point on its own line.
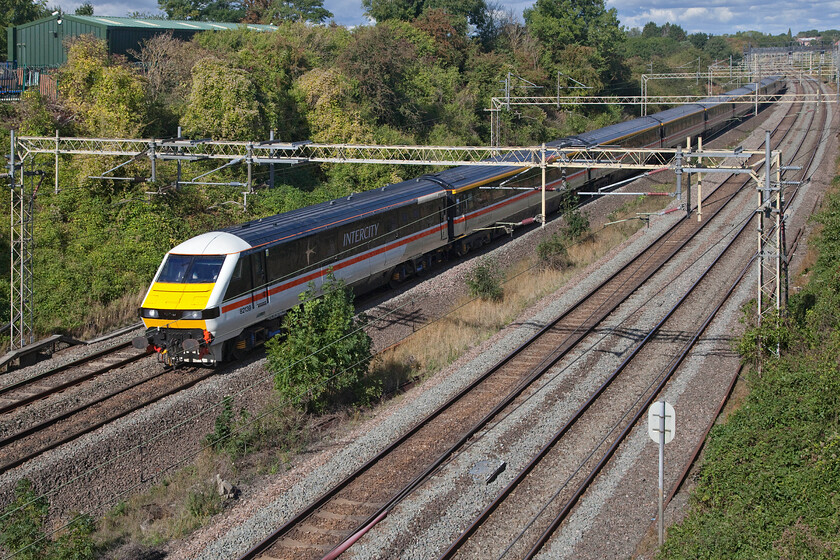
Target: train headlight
151 313
192 315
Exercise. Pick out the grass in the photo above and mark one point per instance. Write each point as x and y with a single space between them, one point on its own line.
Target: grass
106 318
178 505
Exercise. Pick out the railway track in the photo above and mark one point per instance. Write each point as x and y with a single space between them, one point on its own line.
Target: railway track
27 435
366 496
61 378
520 521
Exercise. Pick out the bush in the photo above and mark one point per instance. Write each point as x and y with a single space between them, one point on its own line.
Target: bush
230 436
552 253
22 529
484 281
576 222
325 352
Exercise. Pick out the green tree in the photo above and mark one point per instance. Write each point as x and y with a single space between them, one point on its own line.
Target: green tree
17 12
223 103
311 11
651 30
203 10
717 47
558 24
698 40
85 9
380 61
325 351
108 97
467 11
22 523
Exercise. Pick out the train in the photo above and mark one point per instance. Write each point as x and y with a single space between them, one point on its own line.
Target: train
224 292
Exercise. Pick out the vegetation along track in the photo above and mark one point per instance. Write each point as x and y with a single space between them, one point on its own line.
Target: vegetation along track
370 493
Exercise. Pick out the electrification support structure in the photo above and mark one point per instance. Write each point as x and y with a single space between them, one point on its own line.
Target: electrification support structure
224 154
22 291
771 257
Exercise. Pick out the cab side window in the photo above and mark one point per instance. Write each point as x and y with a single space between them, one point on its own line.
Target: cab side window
240 280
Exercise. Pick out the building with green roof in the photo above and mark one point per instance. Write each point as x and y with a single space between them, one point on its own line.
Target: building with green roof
41 42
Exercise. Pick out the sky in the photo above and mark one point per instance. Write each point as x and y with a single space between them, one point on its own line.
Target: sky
709 16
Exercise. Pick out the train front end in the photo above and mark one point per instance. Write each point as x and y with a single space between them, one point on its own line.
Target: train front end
182 309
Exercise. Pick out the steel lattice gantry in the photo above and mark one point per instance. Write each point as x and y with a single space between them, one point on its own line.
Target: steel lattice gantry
226 154
21 237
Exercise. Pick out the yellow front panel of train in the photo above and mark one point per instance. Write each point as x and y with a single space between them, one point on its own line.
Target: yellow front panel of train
178 296
187 297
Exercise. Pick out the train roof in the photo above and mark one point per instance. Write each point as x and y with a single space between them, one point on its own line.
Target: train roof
318 217
614 131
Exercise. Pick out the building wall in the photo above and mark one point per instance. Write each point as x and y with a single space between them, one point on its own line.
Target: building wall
42 43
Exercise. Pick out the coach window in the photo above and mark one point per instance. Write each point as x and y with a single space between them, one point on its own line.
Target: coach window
275 263
240 280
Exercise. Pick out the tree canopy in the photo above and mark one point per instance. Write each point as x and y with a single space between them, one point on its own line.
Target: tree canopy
277 11
562 25
17 12
203 10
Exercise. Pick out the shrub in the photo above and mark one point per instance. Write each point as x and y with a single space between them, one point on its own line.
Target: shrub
229 435
22 529
576 222
552 253
325 352
484 281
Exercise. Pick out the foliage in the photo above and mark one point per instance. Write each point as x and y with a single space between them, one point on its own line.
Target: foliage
167 65
552 252
770 482
35 117
474 12
84 9
325 351
230 435
379 62
277 11
22 531
223 103
18 12
484 281
575 221
203 10
108 96
22 522
559 24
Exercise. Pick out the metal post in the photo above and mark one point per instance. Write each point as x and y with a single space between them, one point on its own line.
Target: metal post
56 161
178 176
542 170
153 159
21 287
678 173
271 165
659 517
699 181
250 163
507 92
